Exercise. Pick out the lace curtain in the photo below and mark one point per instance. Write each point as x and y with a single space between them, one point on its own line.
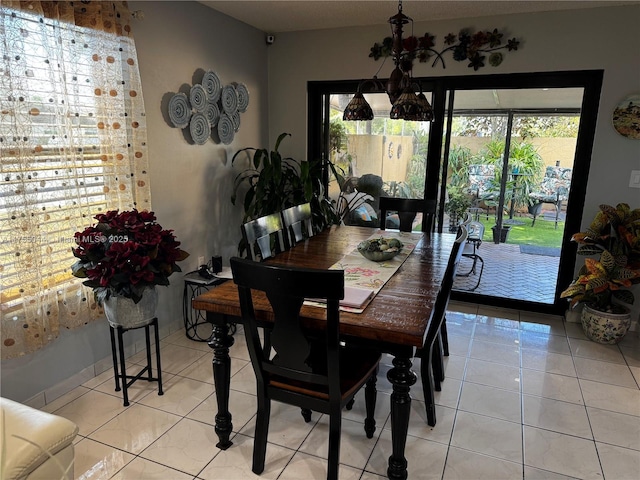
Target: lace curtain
72 144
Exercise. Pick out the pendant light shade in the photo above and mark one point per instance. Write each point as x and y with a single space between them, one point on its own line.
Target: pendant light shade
406 105
425 106
358 109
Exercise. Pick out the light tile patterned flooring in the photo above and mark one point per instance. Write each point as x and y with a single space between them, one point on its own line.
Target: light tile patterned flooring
508 273
526 397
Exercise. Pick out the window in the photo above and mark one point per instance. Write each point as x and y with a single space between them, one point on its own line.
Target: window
72 144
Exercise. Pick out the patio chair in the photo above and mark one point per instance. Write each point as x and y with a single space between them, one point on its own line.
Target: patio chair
553 189
481 186
470 250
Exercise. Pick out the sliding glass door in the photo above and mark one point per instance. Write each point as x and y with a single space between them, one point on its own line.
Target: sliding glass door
511 156
502 149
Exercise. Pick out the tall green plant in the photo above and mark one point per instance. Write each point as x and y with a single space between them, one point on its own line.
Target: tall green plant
525 158
460 158
273 182
457 204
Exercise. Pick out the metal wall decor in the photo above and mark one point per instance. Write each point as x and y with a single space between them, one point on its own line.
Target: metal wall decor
210 110
408 102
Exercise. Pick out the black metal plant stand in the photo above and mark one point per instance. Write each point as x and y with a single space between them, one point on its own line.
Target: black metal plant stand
120 373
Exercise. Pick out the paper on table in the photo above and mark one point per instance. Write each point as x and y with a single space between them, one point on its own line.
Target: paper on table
353 297
356 297
224 273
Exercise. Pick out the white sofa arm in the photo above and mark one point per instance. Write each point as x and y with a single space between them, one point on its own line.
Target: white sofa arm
34 443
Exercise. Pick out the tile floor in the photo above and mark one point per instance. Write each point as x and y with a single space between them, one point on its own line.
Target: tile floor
505 267
526 397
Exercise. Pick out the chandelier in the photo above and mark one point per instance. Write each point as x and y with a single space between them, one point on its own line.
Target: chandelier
406 104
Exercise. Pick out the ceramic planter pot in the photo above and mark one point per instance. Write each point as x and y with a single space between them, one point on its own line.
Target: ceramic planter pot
603 327
123 312
501 236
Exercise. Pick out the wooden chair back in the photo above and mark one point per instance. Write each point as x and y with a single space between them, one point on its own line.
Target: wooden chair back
407 209
430 353
297 223
303 367
263 237
286 288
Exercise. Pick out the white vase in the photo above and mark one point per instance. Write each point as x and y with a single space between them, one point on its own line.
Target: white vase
123 312
604 327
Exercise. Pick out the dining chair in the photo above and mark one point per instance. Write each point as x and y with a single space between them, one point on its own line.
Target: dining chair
443 341
431 362
263 236
470 250
305 368
407 209
297 224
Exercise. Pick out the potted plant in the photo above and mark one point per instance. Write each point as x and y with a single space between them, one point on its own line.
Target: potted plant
602 284
272 183
123 257
457 205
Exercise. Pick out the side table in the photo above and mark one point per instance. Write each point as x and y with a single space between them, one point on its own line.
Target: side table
194 285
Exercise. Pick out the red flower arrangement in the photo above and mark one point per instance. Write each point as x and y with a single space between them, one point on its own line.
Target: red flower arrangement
124 253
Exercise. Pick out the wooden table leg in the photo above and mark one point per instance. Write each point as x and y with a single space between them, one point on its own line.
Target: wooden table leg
401 377
220 342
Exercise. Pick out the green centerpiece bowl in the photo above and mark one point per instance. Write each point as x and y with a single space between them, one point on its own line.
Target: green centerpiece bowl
380 249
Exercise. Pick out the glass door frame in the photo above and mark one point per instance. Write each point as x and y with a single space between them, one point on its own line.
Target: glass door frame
589 80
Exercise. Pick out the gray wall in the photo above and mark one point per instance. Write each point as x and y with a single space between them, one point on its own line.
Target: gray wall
192 184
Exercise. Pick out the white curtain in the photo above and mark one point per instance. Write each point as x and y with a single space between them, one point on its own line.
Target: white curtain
72 144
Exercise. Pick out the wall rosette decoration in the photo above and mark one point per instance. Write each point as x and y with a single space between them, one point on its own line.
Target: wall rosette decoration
209 110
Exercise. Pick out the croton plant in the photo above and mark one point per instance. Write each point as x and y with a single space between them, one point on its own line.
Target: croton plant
612 244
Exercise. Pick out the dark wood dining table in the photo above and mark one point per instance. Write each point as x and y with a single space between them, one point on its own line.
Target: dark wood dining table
395 321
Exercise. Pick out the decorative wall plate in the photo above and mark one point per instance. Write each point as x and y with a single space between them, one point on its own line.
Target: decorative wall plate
235 118
229 99
199 128
626 117
208 106
198 96
213 114
226 131
243 97
212 85
179 110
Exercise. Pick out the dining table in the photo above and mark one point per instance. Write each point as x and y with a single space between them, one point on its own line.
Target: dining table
394 322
